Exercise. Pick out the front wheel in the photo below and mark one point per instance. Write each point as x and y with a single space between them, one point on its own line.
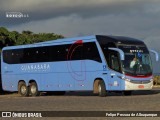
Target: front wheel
23 89
33 89
101 89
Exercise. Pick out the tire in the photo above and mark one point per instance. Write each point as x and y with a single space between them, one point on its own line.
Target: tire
23 89
33 89
127 93
101 89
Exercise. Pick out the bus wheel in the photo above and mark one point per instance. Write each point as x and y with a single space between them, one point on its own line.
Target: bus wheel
101 89
23 89
127 93
33 89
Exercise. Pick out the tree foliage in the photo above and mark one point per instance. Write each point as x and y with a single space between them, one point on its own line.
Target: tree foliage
10 38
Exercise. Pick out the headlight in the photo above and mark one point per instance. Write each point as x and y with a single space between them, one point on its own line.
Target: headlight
123 78
151 79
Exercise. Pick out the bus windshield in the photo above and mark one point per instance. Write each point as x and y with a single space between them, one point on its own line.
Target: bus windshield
137 61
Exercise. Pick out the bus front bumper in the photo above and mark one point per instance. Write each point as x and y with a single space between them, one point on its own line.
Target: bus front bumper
133 86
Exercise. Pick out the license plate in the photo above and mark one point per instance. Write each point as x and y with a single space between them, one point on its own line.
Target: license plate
141 86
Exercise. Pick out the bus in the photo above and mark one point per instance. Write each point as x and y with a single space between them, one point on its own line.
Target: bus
97 63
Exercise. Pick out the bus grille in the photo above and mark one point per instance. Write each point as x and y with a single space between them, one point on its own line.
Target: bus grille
140 82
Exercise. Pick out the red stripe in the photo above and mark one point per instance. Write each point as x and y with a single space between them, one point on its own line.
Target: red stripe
139 76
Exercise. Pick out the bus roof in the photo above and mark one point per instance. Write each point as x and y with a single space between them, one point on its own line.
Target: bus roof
118 39
100 38
54 42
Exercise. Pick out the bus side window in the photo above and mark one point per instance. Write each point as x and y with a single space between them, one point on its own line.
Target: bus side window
90 52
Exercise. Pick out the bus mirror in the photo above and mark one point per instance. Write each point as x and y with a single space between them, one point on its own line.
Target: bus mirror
156 53
120 52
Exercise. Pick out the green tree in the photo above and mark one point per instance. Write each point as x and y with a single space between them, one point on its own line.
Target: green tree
9 38
27 32
6 37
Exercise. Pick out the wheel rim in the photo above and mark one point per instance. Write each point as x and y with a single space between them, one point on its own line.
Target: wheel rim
99 88
33 89
23 89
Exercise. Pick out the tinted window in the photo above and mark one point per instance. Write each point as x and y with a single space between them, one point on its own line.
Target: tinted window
90 52
52 53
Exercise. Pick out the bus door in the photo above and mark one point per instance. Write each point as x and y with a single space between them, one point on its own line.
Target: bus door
115 68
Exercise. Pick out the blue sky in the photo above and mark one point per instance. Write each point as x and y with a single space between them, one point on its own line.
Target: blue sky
134 18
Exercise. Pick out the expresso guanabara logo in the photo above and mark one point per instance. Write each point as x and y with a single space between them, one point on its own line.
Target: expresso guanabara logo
35 67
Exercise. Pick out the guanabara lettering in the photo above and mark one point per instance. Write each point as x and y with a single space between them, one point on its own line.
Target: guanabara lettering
36 67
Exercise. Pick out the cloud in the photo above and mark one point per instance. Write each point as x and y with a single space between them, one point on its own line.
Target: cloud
137 18
48 9
75 25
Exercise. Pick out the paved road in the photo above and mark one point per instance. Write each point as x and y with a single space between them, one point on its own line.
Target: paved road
83 101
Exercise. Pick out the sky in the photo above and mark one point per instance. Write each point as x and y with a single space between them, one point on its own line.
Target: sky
134 18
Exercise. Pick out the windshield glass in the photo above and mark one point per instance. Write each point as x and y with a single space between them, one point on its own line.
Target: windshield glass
137 61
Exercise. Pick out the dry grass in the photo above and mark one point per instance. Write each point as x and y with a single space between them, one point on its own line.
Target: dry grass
156 80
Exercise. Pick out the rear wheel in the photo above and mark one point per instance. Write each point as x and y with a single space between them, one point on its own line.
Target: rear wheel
33 89
23 89
101 89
